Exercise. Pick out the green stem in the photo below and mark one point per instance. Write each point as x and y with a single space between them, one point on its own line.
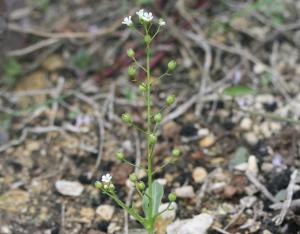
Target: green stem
149 153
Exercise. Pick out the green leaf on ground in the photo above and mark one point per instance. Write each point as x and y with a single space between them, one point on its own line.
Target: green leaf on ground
238 90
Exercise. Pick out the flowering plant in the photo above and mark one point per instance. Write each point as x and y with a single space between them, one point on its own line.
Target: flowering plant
152 195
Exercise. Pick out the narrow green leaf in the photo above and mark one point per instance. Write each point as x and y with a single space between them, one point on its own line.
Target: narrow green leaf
238 90
157 194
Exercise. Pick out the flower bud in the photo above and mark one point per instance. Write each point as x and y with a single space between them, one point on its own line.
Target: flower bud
171 65
126 118
105 187
120 155
98 185
141 185
131 71
172 197
111 187
130 53
143 87
152 139
176 152
170 100
157 118
133 178
147 39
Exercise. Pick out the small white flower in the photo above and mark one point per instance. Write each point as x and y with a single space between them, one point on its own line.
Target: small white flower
140 13
147 16
161 22
127 20
106 178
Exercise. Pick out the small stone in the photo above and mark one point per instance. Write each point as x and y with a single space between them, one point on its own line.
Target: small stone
5 230
170 130
165 218
229 191
259 68
14 200
265 129
199 174
251 138
105 212
87 213
69 188
202 132
248 201
53 62
207 141
246 124
186 191
267 167
275 127
197 225
252 165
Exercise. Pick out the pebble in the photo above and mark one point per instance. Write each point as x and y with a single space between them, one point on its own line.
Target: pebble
267 167
265 129
248 201
14 200
105 212
5 230
246 124
251 138
199 174
165 218
252 165
87 213
186 191
202 132
69 188
207 141
197 225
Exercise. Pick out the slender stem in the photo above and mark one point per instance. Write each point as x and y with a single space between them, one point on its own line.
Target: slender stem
139 65
149 153
133 165
163 166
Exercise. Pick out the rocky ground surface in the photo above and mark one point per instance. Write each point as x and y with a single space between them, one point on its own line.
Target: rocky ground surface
64 87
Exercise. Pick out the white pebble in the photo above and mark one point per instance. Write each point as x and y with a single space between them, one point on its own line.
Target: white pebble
186 191
69 188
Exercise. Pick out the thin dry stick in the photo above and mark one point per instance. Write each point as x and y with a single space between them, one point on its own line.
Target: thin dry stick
286 205
131 191
66 35
260 186
245 54
21 139
32 48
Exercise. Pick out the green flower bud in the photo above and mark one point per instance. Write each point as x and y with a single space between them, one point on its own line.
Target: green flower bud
98 185
120 155
176 152
130 53
133 178
105 187
170 100
147 39
140 185
131 71
171 65
172 197
143 87
152 139
157 118
126 117
111 187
